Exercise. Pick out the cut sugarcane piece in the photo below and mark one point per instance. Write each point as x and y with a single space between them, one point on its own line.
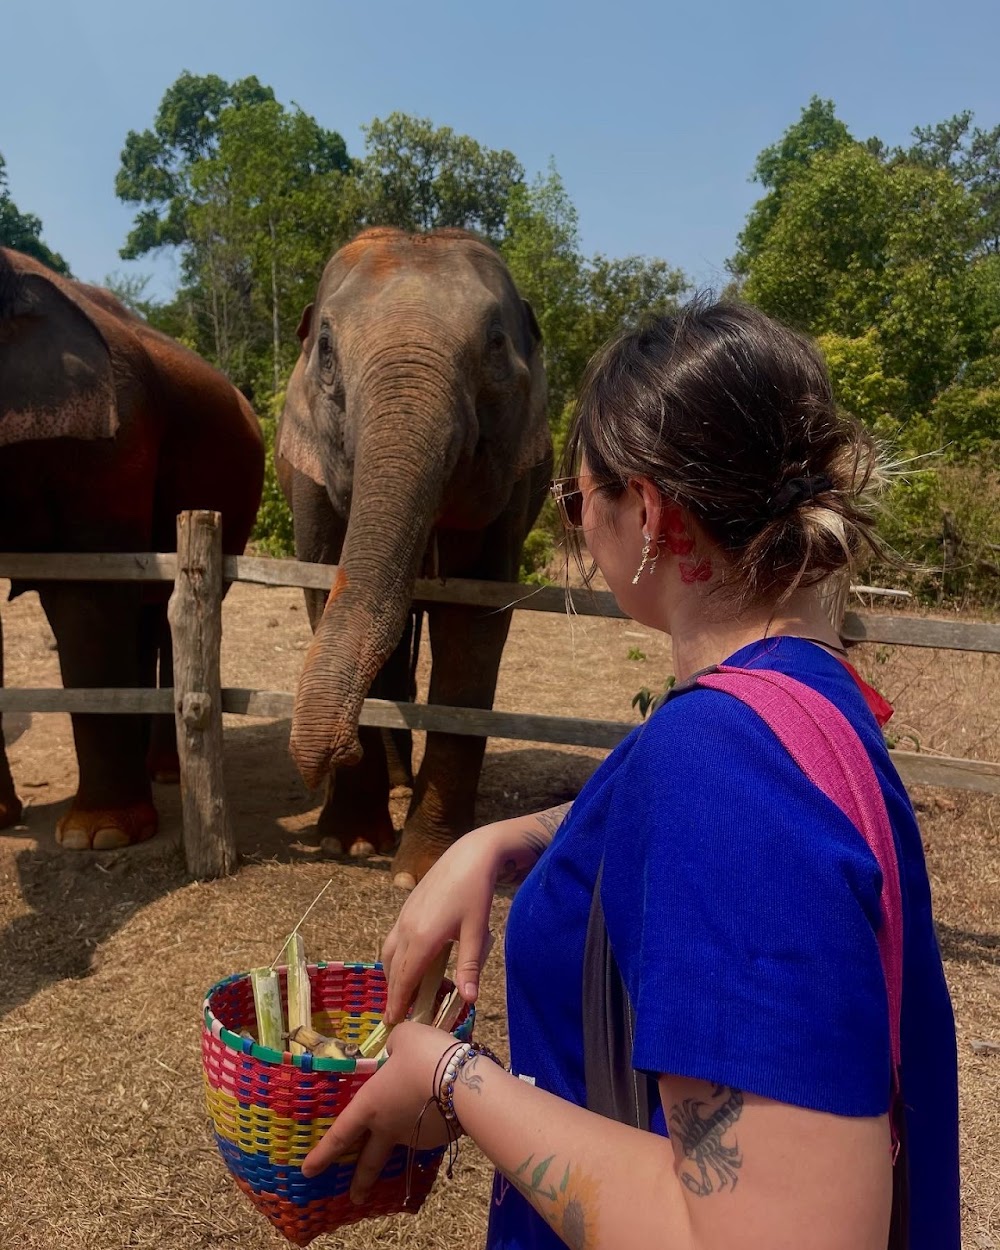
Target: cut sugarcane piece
299 990
318 1044
423 1006
267 1005
449 1011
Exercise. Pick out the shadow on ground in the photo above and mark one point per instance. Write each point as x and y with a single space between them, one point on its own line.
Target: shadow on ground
63 905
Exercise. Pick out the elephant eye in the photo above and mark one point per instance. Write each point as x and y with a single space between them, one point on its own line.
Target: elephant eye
327 356
496 339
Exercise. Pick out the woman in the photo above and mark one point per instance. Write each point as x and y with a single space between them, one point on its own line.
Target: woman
718 486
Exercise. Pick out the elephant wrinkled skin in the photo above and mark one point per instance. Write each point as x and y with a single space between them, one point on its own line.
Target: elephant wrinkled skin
108 429
413 442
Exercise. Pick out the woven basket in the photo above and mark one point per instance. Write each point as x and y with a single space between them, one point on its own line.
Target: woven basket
269 1109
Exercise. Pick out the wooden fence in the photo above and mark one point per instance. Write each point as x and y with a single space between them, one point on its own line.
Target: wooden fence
199 572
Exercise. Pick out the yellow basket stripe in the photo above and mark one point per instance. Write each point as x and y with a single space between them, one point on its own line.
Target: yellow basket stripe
256 1130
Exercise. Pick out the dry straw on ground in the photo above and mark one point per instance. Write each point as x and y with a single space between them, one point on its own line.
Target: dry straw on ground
106 958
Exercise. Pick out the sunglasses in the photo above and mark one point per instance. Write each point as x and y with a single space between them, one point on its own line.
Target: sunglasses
569 500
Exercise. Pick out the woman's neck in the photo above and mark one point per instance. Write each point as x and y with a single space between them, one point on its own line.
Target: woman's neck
700 640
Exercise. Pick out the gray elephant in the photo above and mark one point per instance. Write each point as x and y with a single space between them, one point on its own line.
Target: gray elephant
413 442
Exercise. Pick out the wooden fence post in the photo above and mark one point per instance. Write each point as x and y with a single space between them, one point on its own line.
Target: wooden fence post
195 614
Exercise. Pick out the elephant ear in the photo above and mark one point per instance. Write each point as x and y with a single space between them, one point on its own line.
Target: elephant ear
297 442
538 438
56 376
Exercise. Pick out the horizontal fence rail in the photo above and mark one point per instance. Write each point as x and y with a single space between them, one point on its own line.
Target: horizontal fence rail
914 768
199 701
857 627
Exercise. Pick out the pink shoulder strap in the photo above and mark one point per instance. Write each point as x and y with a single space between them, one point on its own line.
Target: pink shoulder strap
821 740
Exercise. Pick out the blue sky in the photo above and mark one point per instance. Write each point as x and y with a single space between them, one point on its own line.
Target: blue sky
654 113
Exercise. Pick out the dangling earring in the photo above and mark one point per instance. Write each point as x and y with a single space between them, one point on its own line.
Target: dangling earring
647 551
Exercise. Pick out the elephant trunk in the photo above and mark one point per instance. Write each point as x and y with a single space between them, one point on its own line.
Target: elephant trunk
400 472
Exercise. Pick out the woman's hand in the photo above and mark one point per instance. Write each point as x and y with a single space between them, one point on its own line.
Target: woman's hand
387 1107
452 903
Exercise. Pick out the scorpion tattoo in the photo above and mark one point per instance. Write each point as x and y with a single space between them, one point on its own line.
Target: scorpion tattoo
700 1136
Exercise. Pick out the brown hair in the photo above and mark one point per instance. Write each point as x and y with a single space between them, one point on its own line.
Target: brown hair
731 415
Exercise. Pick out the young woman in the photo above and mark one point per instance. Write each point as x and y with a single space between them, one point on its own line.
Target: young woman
717 487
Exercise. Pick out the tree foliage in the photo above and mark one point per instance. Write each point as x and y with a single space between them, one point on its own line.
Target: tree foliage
420 177
891 256
23 231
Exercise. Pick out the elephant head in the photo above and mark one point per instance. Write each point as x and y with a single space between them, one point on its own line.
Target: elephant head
417 402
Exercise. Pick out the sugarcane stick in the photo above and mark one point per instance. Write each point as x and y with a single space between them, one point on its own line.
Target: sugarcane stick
267 1005
318 1044
449 1011
423 1005
299 990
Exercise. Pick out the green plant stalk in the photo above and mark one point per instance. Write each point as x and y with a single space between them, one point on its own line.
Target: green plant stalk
267 1005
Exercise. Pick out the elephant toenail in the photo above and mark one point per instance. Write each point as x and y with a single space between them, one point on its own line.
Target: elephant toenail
331 846
361 849
73 839
404 881
110 838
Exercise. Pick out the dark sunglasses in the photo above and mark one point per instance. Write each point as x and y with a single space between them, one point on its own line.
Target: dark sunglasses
569 500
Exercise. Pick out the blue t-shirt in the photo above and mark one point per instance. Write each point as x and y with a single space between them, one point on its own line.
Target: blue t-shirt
742 907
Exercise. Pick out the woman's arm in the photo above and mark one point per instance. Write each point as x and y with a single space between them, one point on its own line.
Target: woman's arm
453 902
738 1173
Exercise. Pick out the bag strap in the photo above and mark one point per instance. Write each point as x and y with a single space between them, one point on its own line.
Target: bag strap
821 740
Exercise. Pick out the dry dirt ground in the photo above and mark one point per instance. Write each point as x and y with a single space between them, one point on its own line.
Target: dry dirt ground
104 959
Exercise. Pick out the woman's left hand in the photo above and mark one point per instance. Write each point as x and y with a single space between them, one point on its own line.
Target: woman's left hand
387 1108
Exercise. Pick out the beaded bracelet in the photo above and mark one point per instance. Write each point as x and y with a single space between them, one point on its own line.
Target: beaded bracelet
456 1059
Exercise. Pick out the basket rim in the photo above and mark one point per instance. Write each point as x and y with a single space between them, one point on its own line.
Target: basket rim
265 1054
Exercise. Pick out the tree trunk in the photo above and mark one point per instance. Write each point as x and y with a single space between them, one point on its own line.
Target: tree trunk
275 324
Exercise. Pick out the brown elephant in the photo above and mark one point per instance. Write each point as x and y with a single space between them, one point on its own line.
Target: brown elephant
108 429
413 442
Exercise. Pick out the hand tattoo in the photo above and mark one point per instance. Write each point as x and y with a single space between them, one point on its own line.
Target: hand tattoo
699 1128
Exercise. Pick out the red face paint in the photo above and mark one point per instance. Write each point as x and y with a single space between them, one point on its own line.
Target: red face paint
699 572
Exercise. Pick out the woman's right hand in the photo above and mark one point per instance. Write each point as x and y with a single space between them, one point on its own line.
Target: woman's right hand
452 903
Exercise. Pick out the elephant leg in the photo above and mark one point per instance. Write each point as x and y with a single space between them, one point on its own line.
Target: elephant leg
97 633
467 644
355 815
10 804
156 658
397 682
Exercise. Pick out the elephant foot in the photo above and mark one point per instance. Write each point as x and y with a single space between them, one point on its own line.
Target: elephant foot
413 860
362 838
107 828
360 848
11 811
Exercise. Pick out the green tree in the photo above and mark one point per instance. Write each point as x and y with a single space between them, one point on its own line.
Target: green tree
857 244
817 130
250 193
972 156
155 169
542 249
418 177
23 231
268 210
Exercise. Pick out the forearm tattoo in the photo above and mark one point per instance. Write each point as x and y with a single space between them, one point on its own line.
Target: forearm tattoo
566 1202
469 1077
551 820
710 1162
515 870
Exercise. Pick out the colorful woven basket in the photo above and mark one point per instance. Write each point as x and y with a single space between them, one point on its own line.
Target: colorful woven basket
269 1109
